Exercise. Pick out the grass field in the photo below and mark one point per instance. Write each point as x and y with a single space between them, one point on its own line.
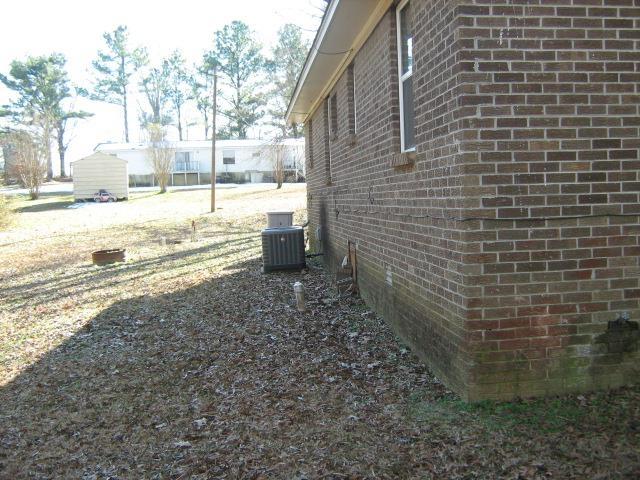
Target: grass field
187 362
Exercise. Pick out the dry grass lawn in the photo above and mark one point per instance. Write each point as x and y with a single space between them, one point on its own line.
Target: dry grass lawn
186 362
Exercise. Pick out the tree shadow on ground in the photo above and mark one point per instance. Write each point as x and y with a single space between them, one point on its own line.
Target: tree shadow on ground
90 277
46 207
225 379
142 196
96 404
214 380
66 268
45 195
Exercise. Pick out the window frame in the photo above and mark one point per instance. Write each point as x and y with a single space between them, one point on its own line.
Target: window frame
327 140
184 160
310 141
353 119
333 116
225 157
402 77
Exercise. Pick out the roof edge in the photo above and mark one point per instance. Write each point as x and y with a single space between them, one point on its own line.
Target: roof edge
373 19
313 51
101 154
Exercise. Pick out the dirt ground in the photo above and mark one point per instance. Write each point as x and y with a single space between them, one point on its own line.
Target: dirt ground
186 362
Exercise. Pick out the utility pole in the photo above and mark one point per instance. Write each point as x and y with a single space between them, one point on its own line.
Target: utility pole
213 139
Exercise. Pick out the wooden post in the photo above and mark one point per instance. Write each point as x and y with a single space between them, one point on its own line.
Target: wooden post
213 140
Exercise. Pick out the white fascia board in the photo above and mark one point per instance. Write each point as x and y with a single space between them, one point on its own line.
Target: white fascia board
345 27
311 57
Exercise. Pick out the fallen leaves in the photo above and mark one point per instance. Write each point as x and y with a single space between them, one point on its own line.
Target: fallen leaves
188 362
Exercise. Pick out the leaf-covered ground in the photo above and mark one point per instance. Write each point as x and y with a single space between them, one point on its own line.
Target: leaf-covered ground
187 362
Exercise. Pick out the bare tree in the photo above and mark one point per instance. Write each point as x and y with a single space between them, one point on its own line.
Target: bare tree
284 155
277 152
297 161
28 161
155 86
160 155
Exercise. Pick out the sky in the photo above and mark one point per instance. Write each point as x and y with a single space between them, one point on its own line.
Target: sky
75 28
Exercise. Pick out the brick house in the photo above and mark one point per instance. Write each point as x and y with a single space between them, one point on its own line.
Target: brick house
481 157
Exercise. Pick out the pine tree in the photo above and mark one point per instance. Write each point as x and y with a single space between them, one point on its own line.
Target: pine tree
287 60
241 68
179 87
114 69
44 91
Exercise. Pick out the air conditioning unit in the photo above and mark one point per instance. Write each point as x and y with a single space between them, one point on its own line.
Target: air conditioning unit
279 219
283 249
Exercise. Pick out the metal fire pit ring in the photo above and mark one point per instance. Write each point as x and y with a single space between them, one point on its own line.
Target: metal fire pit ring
107 257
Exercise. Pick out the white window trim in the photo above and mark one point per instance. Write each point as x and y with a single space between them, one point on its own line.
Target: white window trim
353 94
401 77
310 133
329 139
333 122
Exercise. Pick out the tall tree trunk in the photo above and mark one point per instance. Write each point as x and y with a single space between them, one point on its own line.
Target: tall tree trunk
47 146
241 133
61 153
126 120
179 124
124 98
279 174
206 125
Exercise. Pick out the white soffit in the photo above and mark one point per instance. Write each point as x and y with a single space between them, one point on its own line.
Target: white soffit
344 28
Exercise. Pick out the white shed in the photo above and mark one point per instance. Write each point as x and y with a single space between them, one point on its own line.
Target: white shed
100 171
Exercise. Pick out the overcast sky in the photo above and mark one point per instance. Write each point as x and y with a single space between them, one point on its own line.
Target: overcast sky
75 28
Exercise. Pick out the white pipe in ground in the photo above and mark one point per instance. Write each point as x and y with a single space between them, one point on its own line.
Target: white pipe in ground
298 289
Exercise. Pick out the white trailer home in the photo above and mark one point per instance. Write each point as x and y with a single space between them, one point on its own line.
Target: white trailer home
237 161
100 171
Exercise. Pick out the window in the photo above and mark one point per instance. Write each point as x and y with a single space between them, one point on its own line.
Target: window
333 116
327 142
351 99
184 163
405 73
228 157
289 158
255 154
183 156
309 141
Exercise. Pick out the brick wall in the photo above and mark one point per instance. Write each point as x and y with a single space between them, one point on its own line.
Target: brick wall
550 131
503 250
409 252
